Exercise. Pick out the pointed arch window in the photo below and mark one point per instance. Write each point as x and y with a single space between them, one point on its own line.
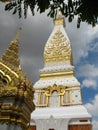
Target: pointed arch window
54 99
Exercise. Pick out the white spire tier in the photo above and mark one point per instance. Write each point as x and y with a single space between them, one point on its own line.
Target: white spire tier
58 72
58 68
69 82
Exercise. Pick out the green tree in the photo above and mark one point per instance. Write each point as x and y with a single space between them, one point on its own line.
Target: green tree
86 10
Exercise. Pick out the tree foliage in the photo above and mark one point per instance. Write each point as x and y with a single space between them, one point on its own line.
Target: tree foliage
86 10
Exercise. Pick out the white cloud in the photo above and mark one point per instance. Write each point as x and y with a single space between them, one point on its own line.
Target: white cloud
89 83
94 47
93 106
88 70
81 38
95 125
93 110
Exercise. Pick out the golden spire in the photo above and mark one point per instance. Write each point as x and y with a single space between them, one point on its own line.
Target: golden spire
59 14
59 19
11 55
17 35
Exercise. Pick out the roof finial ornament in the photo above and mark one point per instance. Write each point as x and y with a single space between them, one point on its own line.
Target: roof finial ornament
18 34
59 19
59 14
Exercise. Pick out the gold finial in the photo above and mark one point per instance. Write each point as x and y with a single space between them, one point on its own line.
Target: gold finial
59 19
20 68
18 34
59 14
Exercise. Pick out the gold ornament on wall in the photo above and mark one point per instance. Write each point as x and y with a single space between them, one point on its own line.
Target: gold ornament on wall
57 49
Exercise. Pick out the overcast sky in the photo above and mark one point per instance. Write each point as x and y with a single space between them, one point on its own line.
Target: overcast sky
35 33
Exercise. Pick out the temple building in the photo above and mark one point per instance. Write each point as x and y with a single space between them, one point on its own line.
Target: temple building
57 95
16 91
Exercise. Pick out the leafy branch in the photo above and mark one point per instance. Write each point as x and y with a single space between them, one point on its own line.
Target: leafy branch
86 10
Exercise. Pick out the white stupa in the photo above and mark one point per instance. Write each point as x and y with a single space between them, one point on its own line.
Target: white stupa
57 92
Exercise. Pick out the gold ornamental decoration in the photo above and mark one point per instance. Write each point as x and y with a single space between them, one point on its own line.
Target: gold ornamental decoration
59 89
57 49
